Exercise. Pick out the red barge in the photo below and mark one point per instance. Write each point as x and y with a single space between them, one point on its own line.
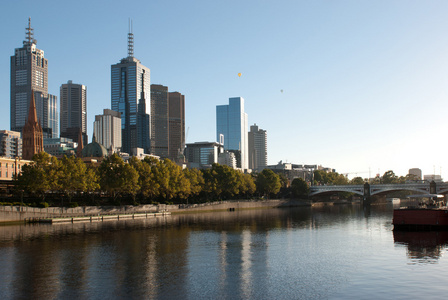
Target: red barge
429 212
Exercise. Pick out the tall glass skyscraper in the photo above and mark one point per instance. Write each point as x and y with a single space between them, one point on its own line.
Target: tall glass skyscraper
130 83
29 73
232 124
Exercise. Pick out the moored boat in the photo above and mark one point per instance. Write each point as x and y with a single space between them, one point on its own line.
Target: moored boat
426 212
393 200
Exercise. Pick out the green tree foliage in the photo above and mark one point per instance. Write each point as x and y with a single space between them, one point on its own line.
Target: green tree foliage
118 178
148 188
75 177
150 179
389 177
170 180
248 186
227 181
299 188
196 179
357 181
268 183
41 176
339 179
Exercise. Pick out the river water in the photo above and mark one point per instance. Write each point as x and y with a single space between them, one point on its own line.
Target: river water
331 252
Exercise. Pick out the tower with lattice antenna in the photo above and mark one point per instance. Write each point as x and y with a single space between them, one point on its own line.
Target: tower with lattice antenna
29 34
130 40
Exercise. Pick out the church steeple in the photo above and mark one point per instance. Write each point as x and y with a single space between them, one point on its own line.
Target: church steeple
32 113
80 144
32 134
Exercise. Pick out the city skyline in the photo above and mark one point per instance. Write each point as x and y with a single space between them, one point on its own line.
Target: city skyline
359 87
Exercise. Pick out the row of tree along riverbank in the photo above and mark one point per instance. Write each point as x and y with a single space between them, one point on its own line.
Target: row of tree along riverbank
22 213
51 182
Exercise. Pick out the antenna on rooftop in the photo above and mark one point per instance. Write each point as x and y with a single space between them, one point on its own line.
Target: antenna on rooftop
29 35
130 40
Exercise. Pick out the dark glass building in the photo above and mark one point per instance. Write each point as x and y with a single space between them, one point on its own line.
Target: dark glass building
130 83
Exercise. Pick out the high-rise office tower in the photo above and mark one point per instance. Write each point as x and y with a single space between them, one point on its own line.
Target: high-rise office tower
29 72
176 121
167 122
159 120
130 83
107 130
258 152
231 123
73 111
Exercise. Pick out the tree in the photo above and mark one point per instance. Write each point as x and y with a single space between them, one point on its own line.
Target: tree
74 176
117 177
148 188
41 176
196 180
227 181
249 185
389 177
357 181
268 183
299 188
339 179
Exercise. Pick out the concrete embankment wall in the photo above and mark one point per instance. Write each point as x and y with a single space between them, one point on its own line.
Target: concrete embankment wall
20 213
243 204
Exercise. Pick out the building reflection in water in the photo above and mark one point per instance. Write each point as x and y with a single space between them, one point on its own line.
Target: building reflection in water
423 246
246 273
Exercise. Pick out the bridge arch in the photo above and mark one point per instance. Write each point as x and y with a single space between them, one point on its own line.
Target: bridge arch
376 189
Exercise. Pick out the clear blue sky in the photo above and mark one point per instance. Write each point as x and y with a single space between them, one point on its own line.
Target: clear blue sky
364 82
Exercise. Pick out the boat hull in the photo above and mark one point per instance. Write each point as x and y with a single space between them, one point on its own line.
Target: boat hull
427 219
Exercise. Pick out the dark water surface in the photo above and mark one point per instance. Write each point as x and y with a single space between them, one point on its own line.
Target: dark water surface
340 252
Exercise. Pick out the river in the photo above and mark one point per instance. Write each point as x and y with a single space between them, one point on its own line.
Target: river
330 252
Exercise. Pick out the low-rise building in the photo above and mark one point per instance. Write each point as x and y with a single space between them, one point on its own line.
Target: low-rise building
10 167
227 158
60 146
10 144
203 154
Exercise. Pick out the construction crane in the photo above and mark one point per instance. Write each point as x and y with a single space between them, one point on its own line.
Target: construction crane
356 173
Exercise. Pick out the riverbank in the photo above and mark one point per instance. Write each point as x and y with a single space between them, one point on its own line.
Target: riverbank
23 213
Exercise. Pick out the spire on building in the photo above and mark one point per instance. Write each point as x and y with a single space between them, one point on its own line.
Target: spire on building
32 113
130 40
29 35
32 134
80 144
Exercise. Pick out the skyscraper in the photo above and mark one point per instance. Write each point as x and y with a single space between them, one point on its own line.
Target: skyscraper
176 121
231 123
159 120
258 154
29 72
130 82
73 111
167 122
107 130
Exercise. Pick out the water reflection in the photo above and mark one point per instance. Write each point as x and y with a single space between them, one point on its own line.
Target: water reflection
423 247
301 253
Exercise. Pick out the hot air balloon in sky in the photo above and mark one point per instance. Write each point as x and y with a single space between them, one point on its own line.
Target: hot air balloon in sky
239 74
